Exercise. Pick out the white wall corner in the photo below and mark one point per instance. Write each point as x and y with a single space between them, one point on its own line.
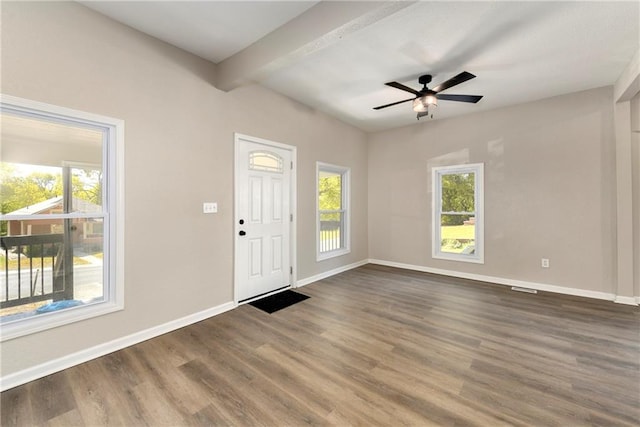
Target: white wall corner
324 275
33 373
624 197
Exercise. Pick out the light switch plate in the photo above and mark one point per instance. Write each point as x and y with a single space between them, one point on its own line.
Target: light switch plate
209 207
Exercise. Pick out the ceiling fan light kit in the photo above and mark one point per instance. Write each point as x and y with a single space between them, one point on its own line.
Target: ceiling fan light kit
426 97
424 102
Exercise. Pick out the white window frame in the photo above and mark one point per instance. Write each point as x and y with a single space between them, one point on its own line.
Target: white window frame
113 214
345 172
437 173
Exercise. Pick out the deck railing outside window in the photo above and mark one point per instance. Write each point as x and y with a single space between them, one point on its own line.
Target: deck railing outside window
34 270
330 235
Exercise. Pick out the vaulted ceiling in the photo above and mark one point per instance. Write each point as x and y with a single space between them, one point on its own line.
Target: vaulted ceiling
336 56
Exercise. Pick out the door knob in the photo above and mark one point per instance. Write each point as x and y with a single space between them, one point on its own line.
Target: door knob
242 232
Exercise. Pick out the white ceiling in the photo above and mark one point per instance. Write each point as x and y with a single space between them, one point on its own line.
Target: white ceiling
213 30
336 56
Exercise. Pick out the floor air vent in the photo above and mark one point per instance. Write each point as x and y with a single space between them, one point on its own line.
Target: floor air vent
527 290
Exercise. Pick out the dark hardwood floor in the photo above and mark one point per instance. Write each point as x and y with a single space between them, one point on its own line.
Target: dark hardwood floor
372 346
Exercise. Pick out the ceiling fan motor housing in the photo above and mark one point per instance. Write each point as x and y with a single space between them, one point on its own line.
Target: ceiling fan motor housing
425 80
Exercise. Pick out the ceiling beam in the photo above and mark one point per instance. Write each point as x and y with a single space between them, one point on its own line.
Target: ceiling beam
628 84
322 25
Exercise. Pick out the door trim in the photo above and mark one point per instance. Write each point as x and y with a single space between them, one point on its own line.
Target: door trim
292 200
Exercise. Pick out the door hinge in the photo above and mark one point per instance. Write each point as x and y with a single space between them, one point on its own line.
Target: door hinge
290 217
291 164
290 270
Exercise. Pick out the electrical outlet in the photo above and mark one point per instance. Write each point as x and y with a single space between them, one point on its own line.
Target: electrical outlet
545 263
209 207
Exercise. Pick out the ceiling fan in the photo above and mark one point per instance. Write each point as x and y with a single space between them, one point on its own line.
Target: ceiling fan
426 97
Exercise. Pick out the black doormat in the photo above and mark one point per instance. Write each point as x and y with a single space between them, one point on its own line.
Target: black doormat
278 301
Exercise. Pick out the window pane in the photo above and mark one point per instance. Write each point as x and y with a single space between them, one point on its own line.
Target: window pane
29 189
34 151
333 211
458 192
331 231
50 265
457 234
330 191
86 182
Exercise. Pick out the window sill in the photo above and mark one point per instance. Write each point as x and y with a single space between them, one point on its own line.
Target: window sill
332 254
42 322
461 258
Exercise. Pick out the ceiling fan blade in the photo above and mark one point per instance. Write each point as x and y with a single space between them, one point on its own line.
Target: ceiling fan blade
393 103
403 87
461 98
460 78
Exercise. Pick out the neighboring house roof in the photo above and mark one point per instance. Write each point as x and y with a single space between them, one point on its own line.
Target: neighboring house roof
79 205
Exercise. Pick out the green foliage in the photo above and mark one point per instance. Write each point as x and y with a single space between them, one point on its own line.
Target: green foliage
18 191
86 185
330 192
459 232
457 196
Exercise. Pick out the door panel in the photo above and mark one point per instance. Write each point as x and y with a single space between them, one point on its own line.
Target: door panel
263 206
255 258
276 203
276 251
256 199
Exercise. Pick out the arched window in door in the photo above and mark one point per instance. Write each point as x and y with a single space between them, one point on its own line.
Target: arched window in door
265 161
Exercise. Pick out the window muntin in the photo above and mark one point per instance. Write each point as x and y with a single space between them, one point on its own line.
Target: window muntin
457 213
57 217
332 211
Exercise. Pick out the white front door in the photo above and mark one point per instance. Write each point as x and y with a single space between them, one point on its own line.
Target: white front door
262 217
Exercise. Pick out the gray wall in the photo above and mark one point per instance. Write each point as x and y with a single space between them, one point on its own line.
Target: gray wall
549 188
179 153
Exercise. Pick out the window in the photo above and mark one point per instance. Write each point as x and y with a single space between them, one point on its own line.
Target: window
458 224
333 211
265 161
59 216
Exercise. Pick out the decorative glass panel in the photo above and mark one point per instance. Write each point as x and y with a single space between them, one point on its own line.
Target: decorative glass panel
265 161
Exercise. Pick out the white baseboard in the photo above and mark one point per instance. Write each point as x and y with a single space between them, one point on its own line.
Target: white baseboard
511 282
626 300
52 366
324 275
18 378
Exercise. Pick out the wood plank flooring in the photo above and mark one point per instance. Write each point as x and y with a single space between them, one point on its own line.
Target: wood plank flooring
372 346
